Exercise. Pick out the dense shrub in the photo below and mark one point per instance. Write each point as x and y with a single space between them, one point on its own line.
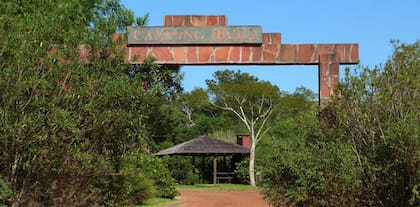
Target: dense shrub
363 150
156 170
65 120
183 170
5 193
302 169
138 187
130 187
378 114
242 171
71 107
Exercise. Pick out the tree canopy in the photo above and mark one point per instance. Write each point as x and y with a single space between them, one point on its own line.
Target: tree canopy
69 111
252 101
361 150
378 114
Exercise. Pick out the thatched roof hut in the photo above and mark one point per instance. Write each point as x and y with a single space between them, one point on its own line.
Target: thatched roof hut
205 146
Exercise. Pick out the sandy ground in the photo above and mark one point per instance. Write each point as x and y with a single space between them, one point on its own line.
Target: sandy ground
198 198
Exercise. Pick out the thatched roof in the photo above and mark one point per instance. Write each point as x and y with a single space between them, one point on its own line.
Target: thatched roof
204 145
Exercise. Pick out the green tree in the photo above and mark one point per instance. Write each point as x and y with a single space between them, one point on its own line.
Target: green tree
300 166
195 101
200 116
377 113
163 83
252 101
304 168
69 110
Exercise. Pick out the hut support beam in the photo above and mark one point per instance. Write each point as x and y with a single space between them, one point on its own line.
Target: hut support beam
214 170
202 169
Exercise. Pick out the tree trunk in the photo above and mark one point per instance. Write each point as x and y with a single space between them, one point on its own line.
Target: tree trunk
252 164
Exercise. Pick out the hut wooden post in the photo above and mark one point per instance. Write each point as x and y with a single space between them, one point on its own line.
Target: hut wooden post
193 163
214 170
224 164
202 169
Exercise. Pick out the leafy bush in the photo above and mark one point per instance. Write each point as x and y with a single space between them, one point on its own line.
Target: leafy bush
130 187
66 120
364 150
156 170
5 193
378 113
242 171
305 170
182 170
138 186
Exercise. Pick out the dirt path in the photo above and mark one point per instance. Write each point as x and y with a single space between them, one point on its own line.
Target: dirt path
209 198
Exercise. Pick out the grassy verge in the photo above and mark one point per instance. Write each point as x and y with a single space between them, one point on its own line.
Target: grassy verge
218 187
156 202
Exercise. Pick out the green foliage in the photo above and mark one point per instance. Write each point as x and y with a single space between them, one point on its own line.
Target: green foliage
157 202
5 193
378 113
182 170
229 87
363 151
163 83
155 169
242 171
294 103
200 116
160 79
69 112
304 169
225 135
129 187
253 102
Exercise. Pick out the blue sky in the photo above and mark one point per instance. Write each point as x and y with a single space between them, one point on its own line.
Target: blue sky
370 23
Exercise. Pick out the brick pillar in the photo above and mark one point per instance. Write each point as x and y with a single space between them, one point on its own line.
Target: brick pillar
328 77
194 20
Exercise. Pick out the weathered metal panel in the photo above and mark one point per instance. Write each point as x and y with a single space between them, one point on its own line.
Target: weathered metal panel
195 35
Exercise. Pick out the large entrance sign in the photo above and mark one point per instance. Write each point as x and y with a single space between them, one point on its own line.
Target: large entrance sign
207 40
194 35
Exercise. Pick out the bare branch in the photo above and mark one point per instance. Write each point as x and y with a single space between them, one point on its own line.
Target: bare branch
260 136
240 102
261 105
260 133
188 111
240 115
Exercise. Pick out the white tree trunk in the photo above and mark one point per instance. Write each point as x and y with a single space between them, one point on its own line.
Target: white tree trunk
262 115
252 164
